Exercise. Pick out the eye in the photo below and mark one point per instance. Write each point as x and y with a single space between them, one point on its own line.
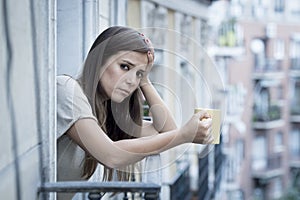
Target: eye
124 67
139 74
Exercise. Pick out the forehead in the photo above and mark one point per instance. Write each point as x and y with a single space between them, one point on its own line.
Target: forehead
136 58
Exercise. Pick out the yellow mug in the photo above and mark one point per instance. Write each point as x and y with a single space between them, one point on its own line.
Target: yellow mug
216 122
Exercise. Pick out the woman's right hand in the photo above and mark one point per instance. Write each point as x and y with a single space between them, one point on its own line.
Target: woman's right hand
198 129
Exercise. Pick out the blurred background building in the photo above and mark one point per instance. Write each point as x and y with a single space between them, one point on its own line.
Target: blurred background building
240 56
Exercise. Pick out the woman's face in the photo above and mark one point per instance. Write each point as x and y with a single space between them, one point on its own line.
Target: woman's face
123 73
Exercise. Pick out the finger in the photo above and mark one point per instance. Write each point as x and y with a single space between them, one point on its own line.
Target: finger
209 130
207 134
148 41
200 114
150 55
206 123
209 139
203 115
206 115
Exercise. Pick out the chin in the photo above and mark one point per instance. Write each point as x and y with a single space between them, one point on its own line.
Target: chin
118 99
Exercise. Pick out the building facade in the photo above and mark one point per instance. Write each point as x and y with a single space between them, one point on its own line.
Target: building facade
46 38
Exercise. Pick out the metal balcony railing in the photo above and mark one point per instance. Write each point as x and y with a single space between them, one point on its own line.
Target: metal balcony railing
147 191
180 185
204 192
219 162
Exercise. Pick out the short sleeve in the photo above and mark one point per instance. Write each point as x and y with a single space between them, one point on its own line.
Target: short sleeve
72 104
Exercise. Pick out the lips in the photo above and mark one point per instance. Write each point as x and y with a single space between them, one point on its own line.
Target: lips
124 91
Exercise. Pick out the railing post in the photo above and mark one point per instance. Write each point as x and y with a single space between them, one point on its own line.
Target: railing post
151 196
125 196
94 196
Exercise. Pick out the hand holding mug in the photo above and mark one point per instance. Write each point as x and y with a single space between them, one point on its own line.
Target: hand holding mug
198 129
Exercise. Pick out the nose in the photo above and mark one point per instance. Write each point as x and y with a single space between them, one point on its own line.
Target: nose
131 78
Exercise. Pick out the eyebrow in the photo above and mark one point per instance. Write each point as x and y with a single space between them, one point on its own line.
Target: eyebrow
129 63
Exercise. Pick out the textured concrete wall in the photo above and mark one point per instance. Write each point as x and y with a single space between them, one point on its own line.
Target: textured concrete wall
26 96
38 40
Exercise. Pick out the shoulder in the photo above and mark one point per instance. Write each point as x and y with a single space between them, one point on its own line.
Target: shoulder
67 87
72 103
70 93
65 81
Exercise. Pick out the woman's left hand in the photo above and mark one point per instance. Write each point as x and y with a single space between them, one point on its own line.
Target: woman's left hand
145 80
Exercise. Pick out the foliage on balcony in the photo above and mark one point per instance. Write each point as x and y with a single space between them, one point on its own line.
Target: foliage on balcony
273 113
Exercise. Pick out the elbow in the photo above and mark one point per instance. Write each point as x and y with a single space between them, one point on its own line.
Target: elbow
120 161
118 156
114 162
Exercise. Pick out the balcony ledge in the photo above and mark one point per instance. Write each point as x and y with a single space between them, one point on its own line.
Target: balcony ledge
268 125
294 73
295 164
295 118
226 51
268 75
232 186
267 174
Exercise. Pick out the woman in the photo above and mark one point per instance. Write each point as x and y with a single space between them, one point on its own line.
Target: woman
99 115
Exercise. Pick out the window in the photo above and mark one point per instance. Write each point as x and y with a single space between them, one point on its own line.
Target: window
267 105
295 96
295 51
258 193
276 190
154 16
278 142
294 143
279 6
157 75
69 37
262 103
240 147
186 90
259 153
118 12
77 27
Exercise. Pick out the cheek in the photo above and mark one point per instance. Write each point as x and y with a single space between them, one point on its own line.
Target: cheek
110 78
105 81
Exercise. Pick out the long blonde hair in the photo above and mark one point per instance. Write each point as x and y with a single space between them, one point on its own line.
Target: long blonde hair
108 43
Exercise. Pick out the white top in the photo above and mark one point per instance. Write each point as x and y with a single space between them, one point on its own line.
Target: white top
72 105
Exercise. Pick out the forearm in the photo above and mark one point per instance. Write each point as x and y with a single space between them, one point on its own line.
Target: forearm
92 139
162 117
133 150
88 134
